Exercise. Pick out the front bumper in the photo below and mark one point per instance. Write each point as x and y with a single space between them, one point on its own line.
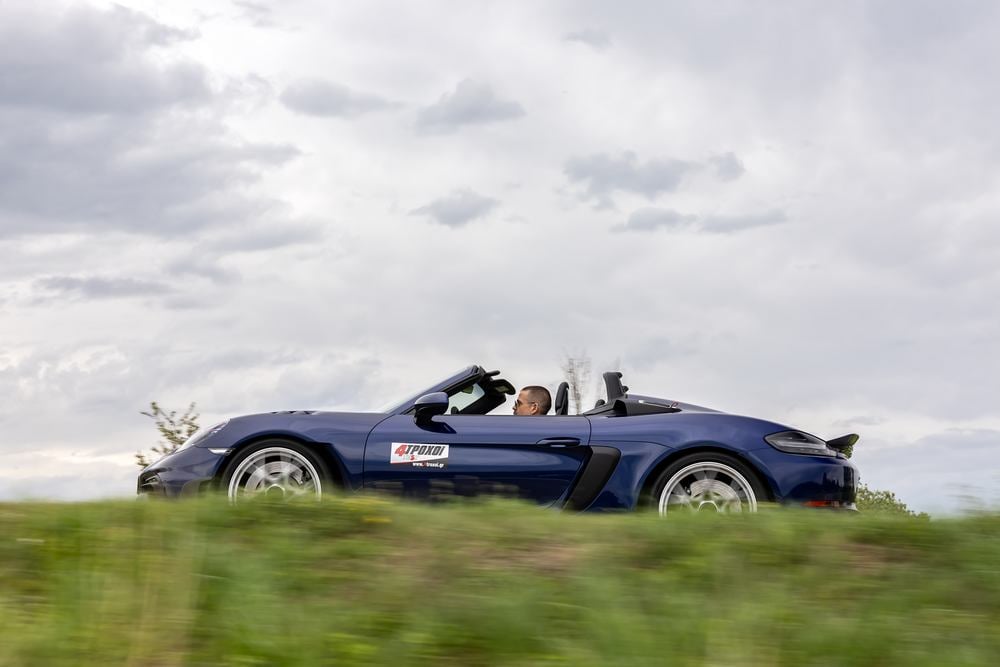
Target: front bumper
185 473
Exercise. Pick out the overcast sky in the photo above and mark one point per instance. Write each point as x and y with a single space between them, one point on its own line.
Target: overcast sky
786 210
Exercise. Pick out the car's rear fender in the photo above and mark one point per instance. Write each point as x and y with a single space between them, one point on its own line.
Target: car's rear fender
645 488
653 442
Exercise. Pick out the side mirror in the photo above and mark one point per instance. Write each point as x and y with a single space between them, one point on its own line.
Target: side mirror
430 405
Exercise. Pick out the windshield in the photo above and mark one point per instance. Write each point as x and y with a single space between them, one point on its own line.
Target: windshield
463 398
398 406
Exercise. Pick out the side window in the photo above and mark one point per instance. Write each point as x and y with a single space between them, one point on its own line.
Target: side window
464 398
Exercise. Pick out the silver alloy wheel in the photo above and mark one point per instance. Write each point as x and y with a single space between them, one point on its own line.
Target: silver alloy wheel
708 485
276 472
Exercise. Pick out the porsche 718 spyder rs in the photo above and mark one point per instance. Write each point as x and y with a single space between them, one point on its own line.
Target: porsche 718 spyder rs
628 452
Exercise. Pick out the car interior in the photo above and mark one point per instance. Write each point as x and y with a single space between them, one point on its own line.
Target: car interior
486 390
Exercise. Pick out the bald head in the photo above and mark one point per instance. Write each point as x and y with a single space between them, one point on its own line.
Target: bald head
533 400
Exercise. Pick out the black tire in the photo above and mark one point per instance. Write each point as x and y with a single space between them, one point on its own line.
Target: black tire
739 483
276 467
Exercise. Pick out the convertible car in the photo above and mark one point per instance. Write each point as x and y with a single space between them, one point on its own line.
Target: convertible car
628 452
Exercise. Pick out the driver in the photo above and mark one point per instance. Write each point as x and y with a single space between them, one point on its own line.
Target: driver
533 400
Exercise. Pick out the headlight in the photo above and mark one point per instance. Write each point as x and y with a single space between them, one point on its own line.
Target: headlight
797 442
202 434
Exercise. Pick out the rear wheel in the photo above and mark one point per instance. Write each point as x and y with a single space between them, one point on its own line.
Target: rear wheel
707 481
275 469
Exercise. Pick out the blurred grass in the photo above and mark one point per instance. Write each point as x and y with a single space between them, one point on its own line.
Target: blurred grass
360 580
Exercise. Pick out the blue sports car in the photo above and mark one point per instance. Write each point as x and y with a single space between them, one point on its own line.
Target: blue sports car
629 452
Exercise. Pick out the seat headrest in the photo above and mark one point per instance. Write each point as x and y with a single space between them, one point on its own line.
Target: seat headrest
562 399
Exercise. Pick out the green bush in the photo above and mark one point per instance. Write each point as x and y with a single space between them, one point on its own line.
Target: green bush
882 501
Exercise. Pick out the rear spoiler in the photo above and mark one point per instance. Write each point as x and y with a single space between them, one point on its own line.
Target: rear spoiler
843 443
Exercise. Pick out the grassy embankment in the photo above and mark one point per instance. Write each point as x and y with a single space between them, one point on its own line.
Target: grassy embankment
364 581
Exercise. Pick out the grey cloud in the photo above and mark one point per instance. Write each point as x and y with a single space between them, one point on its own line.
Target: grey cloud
265 237
203 266
137 28
158 176
99 287
88 60
189 302
316 97
97 133
457 209
602 174
205 261
595 39
860 420
312 385
725 224
260 16
471 103
727 166
650 218
913 64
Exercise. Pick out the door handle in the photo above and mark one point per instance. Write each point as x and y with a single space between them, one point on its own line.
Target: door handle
559 442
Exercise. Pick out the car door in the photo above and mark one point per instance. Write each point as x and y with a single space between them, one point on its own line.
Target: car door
533 458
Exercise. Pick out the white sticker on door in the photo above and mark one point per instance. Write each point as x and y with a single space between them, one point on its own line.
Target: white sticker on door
418 455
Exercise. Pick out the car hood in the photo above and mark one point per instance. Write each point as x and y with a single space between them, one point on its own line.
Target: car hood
316 425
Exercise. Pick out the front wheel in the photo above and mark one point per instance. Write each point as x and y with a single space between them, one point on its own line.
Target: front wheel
708 481
275 469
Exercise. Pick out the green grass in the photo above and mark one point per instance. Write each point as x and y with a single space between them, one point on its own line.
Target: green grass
366 581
